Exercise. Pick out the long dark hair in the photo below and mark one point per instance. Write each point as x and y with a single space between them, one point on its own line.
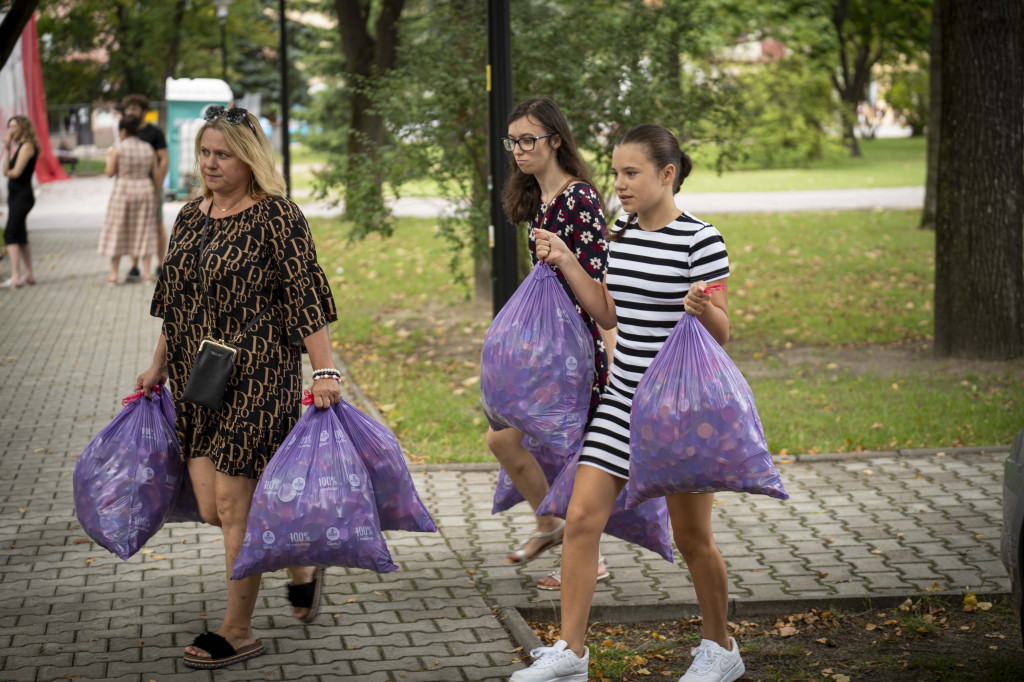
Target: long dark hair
521 195
662 149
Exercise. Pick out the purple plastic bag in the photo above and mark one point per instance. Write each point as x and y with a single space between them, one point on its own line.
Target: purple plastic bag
398 504
537 365
506 495
126 479
646 525
185 508
694 426
313 505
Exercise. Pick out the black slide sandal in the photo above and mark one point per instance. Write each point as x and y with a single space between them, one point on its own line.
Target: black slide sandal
307 595
221 652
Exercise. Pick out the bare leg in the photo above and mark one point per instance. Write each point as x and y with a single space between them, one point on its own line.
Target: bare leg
146 274
691 529
26 263
526 475
14 253
115 261
232 497
593 497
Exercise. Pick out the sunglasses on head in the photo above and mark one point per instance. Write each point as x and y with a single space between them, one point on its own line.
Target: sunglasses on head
234 116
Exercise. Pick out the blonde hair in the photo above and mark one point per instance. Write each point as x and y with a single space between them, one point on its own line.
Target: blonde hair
26 131
246 141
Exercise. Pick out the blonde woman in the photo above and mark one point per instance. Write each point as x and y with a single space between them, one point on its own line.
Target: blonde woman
18 168
241 269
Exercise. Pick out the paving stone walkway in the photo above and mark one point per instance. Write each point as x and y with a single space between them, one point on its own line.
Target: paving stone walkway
879 525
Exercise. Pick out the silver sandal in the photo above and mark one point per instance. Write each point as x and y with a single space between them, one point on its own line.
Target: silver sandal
557 576
521 558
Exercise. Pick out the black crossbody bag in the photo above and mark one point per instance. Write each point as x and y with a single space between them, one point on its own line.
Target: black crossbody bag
215 361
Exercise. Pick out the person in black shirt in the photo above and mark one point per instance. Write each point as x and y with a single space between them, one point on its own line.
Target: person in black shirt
137 105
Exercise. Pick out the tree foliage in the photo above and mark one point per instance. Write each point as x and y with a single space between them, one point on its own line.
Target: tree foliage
101 50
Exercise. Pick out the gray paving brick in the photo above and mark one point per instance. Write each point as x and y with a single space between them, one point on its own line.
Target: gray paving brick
932 519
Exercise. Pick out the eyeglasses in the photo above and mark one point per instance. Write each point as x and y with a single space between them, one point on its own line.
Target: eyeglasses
525 143
234 116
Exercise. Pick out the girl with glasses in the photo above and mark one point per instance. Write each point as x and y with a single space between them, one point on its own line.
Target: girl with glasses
550 187
660 262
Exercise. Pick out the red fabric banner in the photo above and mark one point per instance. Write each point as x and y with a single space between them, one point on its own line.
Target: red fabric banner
48 168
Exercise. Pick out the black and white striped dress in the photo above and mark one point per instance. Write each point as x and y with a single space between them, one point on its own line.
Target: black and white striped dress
648 276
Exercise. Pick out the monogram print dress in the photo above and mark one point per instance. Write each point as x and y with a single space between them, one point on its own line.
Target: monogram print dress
262 256
576 217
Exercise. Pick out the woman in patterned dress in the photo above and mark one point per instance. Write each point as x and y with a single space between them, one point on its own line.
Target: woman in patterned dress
130 226
659 263
550 187
239 252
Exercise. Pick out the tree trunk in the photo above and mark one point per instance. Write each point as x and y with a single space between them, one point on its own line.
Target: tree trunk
934 129
366 57
173 48
18 15
979 268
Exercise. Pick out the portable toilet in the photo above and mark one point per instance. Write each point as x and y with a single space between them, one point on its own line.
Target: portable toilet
187 99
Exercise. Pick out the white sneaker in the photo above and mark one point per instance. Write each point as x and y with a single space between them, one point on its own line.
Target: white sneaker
555 663
712 663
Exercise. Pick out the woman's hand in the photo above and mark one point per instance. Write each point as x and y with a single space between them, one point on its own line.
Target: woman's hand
551 249
150 378
326 392
696 301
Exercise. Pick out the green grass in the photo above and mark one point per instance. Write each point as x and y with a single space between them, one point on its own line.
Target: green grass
887 162
816 300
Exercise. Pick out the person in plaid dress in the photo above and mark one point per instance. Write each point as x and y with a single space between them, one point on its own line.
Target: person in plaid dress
130 227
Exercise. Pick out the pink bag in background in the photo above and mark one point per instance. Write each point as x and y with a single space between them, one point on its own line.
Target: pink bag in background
313 505
537 365
506 495
126 479
645 525
694 426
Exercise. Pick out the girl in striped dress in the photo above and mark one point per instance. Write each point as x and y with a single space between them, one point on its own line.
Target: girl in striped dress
660 261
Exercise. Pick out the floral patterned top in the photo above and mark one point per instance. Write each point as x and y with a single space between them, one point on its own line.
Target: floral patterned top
576 217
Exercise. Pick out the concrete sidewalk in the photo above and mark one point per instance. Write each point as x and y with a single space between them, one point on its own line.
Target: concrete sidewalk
878 525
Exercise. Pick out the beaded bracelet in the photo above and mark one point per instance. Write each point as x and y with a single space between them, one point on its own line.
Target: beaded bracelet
328 376
327 373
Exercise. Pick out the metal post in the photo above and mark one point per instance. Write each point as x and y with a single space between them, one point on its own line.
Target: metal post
222 18
223 51
285 143
499 100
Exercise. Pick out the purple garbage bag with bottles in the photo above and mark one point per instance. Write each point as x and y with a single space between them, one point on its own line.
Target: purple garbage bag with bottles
645 525
506 495
313 505
694 426
537 365
398 504
126 479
